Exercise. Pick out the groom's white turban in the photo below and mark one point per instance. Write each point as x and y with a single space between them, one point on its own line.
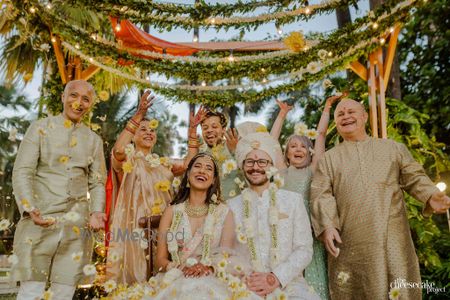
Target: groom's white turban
258 140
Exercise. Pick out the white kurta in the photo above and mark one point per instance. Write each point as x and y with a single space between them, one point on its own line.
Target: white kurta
294 239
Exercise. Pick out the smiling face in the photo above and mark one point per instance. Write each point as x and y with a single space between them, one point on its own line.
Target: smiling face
350 118
77 99
212 131
297 152
256 175
201 174
145 137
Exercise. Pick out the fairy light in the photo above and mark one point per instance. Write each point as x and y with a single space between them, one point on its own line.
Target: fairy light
203 83
53 39
195 38
49 6
147 78
231 57
330 54
263 70
441 186
32 10
118 27
77 46
213 21
382 41
279 30
91 59
307 11
264 80
375 25
391 30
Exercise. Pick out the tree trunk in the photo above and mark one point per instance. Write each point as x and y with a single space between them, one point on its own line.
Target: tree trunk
343 17
393 87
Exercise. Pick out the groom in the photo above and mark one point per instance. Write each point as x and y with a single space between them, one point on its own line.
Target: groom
272 225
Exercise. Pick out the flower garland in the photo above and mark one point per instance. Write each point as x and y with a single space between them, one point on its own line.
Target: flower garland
215 71
207 235
200 16
248 223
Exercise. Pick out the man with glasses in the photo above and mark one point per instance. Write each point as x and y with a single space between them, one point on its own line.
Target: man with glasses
272 225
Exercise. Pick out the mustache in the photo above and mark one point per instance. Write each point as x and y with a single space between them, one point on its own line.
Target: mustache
256 171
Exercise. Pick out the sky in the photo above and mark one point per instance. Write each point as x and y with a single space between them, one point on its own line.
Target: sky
324 23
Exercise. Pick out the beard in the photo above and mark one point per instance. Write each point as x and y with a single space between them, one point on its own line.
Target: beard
257 182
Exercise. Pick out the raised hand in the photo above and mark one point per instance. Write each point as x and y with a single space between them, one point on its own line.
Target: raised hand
232 138
332 99
196 119
144 104
284 107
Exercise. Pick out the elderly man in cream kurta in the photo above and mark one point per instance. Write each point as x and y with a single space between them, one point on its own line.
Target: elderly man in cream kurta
357 201
59 161
272 225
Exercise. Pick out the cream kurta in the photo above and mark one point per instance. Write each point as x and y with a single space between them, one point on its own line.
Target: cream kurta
358 189
56 165
294 239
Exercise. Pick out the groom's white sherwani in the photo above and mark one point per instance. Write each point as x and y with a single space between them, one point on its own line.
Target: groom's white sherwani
294 238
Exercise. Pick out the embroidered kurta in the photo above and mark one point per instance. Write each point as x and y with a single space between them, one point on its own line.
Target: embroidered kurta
57 164
138 195
316 275
228 184
358 189
294 238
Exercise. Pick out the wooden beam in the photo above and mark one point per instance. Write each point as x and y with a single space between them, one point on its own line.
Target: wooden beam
390 54
70 66
56 42
78 67
359 69
373 119
381 94
89 72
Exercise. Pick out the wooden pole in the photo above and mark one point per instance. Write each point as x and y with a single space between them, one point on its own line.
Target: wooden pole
372 96
381 94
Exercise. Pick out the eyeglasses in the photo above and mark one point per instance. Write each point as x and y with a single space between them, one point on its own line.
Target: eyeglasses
262 163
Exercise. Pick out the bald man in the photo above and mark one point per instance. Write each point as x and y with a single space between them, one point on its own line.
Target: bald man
59 161
358 210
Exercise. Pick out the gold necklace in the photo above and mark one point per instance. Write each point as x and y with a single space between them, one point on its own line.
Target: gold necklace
195 211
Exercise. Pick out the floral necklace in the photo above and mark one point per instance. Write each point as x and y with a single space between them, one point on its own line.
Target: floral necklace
248 223
172 244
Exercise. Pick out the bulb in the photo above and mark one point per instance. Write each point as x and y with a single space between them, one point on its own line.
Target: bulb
330 54
203 83
307 11
382 41
49 6
264 80
195 39
77 46
231 58
263 70
118 27
91 59
375 25
147 78
213 21
441 186
391 30
32 10
53 39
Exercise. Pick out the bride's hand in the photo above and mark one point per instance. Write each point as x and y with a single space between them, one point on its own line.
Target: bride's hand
197 270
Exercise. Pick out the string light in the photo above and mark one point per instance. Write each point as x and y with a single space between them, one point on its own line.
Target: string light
53 39
91 59
231 57
213 21
279 30
330 54
32 10
382 41
391 30
118 26
49 6
203 83
375 25
264 80
441 186
77 46
307 11
195 39
147 78
263 70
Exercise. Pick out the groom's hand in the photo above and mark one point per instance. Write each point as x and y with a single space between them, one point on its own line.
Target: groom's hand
328 237
262 284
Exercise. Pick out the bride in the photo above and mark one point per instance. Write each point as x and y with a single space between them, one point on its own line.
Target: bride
195 240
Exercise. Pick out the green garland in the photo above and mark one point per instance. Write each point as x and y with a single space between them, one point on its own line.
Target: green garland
156 14
339 42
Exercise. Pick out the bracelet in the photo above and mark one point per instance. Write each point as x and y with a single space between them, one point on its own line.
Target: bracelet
130 130
132 126
134 122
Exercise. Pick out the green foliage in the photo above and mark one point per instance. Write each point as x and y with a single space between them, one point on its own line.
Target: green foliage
424 50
